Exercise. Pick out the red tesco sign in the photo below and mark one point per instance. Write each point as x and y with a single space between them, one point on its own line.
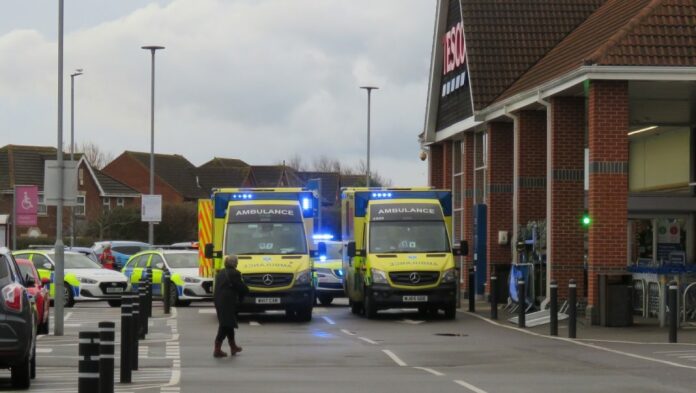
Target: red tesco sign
454 48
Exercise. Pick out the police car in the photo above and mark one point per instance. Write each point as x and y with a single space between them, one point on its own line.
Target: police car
328 269
84 278
187 284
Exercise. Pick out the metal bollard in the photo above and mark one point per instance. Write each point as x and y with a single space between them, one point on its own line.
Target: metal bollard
673 313
553 308
164 291
572 308
107 334
135 333
126 322
494 297
472 289
150 286
88 362
142 305
522 301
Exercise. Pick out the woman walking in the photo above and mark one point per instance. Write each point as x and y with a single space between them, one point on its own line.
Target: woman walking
229 290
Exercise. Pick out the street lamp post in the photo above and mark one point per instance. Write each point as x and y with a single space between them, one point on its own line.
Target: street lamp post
59 250
152 49
369 96
77 72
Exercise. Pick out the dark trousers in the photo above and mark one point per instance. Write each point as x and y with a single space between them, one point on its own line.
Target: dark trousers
225 331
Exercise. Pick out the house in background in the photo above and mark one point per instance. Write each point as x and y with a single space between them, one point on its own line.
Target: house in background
275 176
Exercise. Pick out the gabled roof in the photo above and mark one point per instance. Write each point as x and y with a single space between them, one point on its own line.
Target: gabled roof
113 187
175 170
330 190
505 38
24 165
220 162
216 177
352 181
621 33
275 176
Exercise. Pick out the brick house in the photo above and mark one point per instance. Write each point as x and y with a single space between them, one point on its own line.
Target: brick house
548 111
24 165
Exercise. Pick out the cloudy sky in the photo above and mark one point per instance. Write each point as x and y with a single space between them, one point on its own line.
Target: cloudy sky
261 80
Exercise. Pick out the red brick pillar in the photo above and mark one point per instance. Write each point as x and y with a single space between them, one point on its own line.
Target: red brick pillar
499 176
608 193
435 168
447 164
564 233
531 166
468 200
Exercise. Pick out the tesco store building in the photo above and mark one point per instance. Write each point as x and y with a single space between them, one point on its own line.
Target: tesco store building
566 131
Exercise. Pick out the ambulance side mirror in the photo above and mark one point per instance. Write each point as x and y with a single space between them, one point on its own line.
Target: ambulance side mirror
210 252
351 251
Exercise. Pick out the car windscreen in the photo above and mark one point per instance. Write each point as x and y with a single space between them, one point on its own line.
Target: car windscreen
26 270
334 250
182 260
408 237
128 250
4 271
265 238
77 261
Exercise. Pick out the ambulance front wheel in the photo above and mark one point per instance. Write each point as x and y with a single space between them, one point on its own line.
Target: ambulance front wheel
451 311
325 300
355 307
370 307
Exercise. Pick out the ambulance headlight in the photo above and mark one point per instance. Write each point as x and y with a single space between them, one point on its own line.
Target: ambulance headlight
379 277
449 275
191 280
303 277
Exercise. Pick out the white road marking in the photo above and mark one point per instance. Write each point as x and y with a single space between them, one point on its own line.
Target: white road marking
72 324
44 350
684 351
469 386
67 316
627 342
329 320
254 323
412 322
367 340
430 370
206 311
588 345
348 332
395 358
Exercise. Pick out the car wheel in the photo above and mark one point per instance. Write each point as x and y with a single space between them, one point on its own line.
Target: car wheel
32 366
69 298
451 312
43 327
289 313
370 307
325 300
21 374
114 303
304 314
355 307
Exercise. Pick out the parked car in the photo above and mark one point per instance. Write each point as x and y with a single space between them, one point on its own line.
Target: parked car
184 246
17 323
84 278
39 291
86 251
187 284
121 250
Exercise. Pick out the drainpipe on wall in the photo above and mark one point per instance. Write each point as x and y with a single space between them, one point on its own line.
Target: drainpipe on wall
515 183
549 179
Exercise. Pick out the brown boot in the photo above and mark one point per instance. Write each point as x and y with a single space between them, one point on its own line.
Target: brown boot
218 350
234 348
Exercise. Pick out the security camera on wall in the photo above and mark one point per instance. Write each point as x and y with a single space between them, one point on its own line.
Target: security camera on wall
423 155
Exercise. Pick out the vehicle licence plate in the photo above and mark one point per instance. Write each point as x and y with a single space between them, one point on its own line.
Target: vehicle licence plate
415 299
114 290
267 300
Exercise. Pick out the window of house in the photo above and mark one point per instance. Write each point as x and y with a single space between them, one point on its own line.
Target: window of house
120 202
80 205
42 209
106 202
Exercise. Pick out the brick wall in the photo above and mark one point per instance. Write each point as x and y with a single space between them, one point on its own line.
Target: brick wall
531 166
131 172
565 232
468 200
608 193
499 178
447 164
435 165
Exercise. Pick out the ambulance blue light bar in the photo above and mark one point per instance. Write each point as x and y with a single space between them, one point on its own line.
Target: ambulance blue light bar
306 203
381 194
323 236
242 196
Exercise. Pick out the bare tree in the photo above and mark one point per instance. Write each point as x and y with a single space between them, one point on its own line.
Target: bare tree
95 155
295 162
376 179
326 164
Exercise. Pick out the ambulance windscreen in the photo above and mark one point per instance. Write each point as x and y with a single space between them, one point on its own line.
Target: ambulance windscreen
408 237
265 238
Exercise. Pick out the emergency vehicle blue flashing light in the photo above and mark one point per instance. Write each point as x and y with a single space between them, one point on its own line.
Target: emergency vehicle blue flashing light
381 194
306 204
322 258
242 196
339 272
323 236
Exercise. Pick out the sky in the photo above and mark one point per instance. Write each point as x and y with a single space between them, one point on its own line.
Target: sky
260 80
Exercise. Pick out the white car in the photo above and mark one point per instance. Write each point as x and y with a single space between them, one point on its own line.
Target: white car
84 279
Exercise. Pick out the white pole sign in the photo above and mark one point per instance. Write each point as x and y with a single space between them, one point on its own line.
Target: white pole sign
151 208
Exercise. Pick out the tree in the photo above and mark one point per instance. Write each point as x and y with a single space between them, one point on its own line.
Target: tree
120 223
95 155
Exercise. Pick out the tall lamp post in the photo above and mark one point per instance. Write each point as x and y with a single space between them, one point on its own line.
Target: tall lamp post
59 250
369 96
77 72
152 49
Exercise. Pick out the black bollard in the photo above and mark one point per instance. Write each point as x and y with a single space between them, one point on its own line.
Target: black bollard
164 291
553 308
494 297
126 321
522 302
88 362
150 286
472 289
673 313
572 308
142 305
107 333
135 333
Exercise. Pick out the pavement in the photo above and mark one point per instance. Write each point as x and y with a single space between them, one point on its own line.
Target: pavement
400 351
